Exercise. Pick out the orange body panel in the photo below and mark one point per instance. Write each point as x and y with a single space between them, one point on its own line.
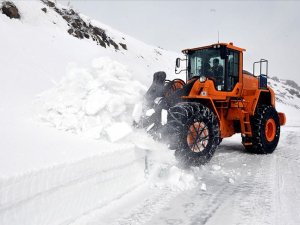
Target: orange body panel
230 46
236 106
232 106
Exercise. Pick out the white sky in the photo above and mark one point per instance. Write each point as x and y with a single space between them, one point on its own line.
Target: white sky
267 29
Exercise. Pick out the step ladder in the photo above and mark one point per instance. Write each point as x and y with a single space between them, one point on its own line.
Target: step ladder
246 125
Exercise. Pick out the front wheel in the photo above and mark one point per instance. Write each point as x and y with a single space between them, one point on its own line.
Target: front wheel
265 131
193 131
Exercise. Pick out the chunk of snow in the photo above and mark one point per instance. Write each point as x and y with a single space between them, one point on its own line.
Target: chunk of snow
157 100
116 105
150 112
96 101
118 131
150 127
203 187
231 180
164 116
94 132
173 177
137 112
216 167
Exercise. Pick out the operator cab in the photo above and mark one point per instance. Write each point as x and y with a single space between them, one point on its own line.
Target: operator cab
218 62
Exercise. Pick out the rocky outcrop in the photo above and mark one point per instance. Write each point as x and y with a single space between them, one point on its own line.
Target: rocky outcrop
10 10
124 46
82 29
292 84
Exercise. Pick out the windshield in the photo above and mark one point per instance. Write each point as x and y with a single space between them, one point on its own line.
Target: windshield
208 63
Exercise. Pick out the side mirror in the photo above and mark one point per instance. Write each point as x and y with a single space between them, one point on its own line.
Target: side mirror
178 62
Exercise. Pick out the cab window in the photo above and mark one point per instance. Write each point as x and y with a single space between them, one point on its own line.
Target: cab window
233 69
207 63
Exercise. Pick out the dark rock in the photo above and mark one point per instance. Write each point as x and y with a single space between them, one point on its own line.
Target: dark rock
99 31
294 92
293 84
102 43
71 12
99 41
81 29
44 10
66 18
10 10
70 31
78 21
113 44
157 52
57 10
78 34
124 46
75 25
49 3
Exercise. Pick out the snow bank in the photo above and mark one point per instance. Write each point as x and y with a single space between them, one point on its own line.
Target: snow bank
60 194
96 102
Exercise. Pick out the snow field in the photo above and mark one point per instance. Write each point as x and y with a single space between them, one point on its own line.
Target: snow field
49 178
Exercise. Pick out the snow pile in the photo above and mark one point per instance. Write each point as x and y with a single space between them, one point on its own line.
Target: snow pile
97 101
172 177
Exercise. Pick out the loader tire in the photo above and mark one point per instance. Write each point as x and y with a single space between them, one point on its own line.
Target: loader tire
265 131
193 131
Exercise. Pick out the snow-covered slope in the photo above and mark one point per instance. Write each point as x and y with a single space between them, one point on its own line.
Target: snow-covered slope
63 154
287 99
56 174
35 52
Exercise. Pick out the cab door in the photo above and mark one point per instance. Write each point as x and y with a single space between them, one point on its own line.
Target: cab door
233 59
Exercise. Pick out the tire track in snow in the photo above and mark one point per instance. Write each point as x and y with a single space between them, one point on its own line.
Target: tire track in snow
150 206
248 201
257 196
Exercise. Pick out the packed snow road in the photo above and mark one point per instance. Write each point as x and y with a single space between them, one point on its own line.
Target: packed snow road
234 188
247 189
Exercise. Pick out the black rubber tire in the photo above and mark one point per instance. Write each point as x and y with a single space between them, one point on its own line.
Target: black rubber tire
220 140
180 118
260 144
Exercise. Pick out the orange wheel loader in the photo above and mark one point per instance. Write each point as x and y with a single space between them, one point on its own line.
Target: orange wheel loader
217 100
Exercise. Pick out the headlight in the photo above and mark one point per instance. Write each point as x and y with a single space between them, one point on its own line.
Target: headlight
202 79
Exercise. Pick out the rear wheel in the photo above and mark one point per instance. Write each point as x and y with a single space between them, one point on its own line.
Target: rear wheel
265 131
193 131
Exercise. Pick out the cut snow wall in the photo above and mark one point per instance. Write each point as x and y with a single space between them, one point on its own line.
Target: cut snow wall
63 193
